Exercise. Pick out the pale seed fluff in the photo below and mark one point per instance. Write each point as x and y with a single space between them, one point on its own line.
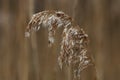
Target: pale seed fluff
27 34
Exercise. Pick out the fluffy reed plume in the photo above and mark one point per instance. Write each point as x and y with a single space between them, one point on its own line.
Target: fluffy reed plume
74 39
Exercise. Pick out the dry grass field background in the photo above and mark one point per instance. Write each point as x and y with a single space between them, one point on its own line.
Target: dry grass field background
30 58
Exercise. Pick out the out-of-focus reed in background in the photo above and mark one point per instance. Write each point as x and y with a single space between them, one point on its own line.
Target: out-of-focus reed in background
31 59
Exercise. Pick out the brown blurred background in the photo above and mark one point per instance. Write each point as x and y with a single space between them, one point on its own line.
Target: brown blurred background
31 59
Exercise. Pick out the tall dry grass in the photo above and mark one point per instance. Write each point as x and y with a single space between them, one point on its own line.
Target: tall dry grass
23 59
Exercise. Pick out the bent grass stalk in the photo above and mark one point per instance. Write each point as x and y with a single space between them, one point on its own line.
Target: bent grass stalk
74 39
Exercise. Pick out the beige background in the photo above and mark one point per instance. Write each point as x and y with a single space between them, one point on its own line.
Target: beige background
31 59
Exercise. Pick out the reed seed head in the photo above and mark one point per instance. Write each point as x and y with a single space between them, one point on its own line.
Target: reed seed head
74 39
